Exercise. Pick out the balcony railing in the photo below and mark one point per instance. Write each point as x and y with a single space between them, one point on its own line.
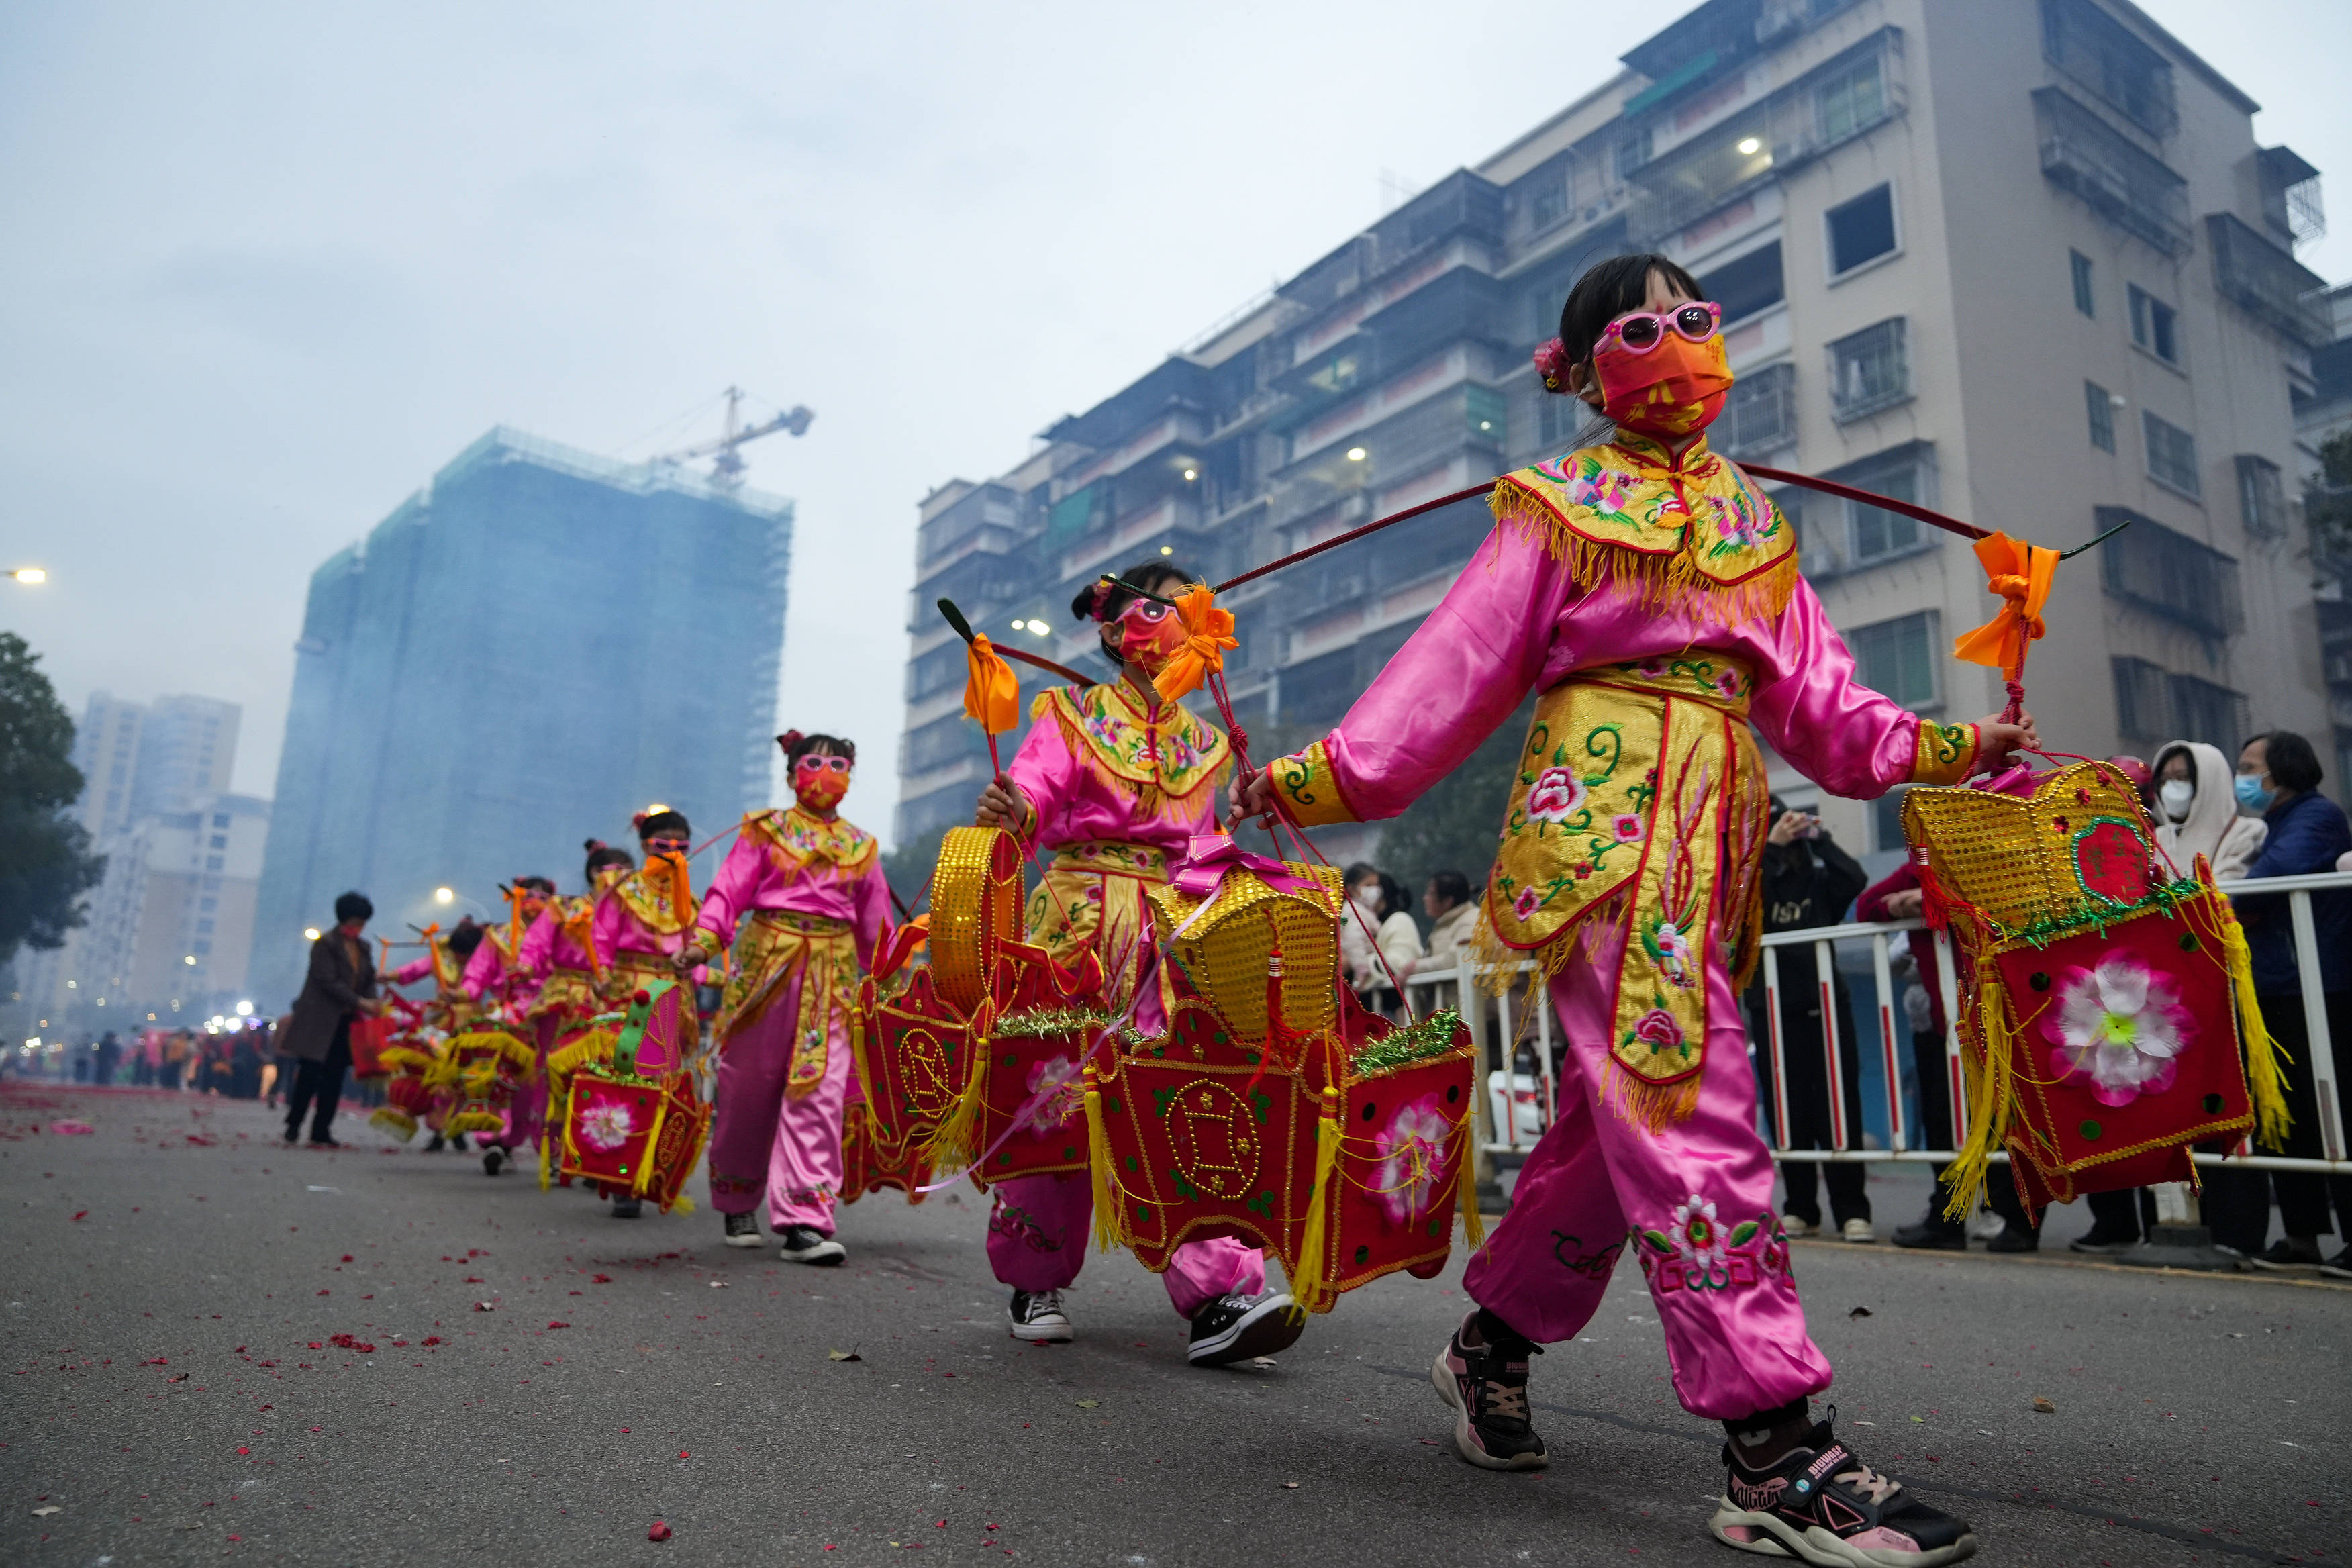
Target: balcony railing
2268 283
1760 414
2130 189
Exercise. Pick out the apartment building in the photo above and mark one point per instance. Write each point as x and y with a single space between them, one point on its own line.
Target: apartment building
2021 261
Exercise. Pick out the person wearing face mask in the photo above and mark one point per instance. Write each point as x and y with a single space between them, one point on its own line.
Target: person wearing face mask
2196 812
502 989
807 887
1113 783
558 951
1647 590
1376 937
451 1009
2279 778
640 923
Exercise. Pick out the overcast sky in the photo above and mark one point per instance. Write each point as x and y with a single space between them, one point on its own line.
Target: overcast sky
263 267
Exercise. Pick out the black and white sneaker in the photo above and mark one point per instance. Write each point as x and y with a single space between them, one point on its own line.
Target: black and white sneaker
742 1230
492 1160
1820 1503
434 1147
1490 1396
804 1244
1038 1318
2338 1267
457 1141
628 1208
1236 1327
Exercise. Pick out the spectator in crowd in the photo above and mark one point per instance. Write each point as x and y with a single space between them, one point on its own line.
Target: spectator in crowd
1378 919
110 1055
278 1080
2279 777
173 1066
340 987
248 1048
1808 881
1452 915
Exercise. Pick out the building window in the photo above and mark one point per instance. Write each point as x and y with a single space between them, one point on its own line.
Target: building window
1548 204
2169 574
1559 416
212 862
2113 175
1745 285
219 841
1850 100
2102 54
1483 408
1897 658
2155 707
1873 534
1760 414
220 819
206 926
2262 498
1887 820
2156 326
2080 265
1870 370
2171 454
1632 150
2099 407
1861 230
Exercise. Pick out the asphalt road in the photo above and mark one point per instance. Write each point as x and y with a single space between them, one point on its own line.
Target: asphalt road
172 1389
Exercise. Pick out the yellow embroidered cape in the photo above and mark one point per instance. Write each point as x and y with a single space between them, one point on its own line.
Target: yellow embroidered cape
1158 758
800 838
664 901
1689 529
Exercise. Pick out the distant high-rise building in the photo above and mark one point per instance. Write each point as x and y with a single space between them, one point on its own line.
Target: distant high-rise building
106 750
537 644
185 750
2020 259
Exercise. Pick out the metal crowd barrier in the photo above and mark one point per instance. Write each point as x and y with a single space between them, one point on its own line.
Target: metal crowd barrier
1517 1108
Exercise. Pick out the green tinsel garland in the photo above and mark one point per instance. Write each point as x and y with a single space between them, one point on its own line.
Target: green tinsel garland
1431 1037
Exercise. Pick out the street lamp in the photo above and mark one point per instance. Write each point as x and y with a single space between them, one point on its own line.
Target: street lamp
31 576
445 895
310 933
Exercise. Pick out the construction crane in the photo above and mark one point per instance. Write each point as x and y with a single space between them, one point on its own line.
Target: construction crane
727 469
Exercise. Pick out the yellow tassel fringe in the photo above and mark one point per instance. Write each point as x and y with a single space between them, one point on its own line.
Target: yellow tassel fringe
1662 582
1110 1214
1990 1104
1310 1284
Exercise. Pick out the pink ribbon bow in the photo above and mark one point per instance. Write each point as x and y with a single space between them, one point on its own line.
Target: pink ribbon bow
1210 856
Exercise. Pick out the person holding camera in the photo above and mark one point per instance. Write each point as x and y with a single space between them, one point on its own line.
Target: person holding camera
1808 881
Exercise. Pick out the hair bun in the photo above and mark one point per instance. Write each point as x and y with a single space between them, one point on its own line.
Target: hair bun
639 821
1551 362
790 739
592 844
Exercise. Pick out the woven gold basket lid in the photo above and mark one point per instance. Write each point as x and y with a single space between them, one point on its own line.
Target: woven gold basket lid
975 906
1228 951
2080 842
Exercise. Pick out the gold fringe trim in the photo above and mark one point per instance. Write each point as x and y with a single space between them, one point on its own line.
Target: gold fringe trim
955 1143
2265 1058
1664 583
1310 1285
1650 1105
1110 1217
1466 1185
474 1121
1991 1102
394 1121
1498 960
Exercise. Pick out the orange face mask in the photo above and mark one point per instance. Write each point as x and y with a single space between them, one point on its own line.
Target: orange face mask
1149 633
819 783
1669 389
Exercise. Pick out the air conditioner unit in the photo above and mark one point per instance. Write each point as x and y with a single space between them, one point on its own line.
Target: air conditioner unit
1779 19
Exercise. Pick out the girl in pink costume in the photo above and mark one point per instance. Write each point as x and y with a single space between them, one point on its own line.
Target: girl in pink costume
559 953
1115 781
1648 590
812 888
497 983
452 1009
641 922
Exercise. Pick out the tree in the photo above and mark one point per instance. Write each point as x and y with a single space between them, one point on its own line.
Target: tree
2327 501
1455 827
46 864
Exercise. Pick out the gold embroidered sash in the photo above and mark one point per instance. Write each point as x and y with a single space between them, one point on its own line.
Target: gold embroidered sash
566 990
1640 795
1092 897
772 945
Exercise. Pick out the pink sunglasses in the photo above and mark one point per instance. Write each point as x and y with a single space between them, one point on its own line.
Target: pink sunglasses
813 764
1644 331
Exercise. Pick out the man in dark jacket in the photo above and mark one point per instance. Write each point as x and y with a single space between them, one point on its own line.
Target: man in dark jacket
1808 881
2278 775
340 987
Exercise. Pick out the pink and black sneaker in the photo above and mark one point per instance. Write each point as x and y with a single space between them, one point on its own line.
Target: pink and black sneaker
1820 1503
1487 1388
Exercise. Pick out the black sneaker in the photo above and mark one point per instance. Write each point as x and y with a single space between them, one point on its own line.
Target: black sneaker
1490 1396
2340 1265
1236 1328
1934 1234
2015 1238
457 1141
492 1160
804 1244
2105 1243
437 1145
1038 1317
1820 1503
2285 1254
331 1143
628 1208
742 1230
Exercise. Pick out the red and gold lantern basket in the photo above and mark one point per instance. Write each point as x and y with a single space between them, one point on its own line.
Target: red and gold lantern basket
488 1066
1022 1110
635 1136
2107 1015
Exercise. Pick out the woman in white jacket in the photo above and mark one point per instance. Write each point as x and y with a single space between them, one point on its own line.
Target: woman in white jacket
1377 916
2197 812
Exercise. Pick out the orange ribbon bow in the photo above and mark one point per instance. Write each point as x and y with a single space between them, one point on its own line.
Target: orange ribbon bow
2021 574
992 692
1208 632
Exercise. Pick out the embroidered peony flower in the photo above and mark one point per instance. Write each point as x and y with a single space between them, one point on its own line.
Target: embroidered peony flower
1735 523
1411 1152
1696 1235
606 1126
2120 1025
1673 949
1728 683
1652 668
1657 1030
1056 1092
1627 827
1603 490
1581 869
1527 903
1555 796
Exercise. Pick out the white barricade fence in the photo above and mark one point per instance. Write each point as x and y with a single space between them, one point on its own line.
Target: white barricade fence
1519 1102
